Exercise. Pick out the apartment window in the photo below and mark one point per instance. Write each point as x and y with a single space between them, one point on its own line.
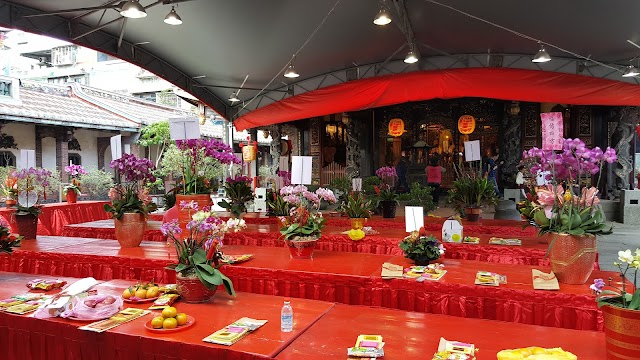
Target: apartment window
146 96
105 57
75 158
5 88
7 158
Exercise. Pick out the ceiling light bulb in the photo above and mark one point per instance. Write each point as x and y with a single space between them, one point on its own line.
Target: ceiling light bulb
172 17
291 72
383 17
542 56
411 57
233 97
631 71
132 9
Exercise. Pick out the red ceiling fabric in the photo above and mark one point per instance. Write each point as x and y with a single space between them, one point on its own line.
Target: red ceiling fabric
493 83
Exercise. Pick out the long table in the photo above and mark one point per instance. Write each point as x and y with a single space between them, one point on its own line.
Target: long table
348 278
322 330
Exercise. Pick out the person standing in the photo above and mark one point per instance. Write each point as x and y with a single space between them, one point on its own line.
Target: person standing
490 169
401 171
434 178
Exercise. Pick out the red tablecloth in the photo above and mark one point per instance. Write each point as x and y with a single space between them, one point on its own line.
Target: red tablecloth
349 278
24 337
54 217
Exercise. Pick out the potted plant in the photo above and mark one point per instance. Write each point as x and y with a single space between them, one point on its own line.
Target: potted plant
357 208
567 209
621 308
239 192
130 200
279 208
421 248
71 191
421 196
8 240
305 221
9 190
29 184
199 253
387 197
96 184
469 193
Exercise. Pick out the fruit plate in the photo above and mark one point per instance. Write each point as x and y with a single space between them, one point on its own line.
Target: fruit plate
140 300
190 321
92 319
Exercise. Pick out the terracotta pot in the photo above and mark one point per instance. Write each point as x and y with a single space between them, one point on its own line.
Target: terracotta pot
130 229
421 261
358 223
622 332
10 202
72 197
388 209
572 257
301 249
473 214
184 216
192 290
26 225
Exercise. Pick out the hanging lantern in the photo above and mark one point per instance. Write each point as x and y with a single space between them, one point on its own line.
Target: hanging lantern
514 108
249 151
466 124
265 134
396 127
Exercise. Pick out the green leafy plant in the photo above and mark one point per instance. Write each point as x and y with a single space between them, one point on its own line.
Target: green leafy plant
421 196
278 206
156 134
169 200
386 193
239 193
342 186
421 247
8 240
368 185
357 206
619 297
96 183
471 191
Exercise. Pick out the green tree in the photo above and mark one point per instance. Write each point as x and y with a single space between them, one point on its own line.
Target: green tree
157 134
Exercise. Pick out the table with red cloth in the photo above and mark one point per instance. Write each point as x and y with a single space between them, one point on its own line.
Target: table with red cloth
24 337
54 217
349 278
531 252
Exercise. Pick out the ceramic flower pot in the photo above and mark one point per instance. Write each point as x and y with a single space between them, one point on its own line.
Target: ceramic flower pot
10 202
184 216
72 197
192 290
388 209
301 248
358 223
622 332
572 257
26 225
130 229
472 213
423 261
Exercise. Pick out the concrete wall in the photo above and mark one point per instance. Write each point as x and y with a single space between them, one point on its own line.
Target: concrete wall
49 153
89 145
24 135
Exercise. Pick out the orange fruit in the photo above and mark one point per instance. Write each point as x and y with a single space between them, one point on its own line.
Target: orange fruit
157 322
152 292
127 293
169 312
169 323
141 293
182 319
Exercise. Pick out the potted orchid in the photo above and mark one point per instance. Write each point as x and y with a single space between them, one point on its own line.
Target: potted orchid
199 252
567 208
130 200
239 192
421 247
621 306
71 191
29 184
388 199
303 226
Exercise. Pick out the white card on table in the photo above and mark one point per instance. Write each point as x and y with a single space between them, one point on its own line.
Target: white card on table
27 159
414 218
301 170
472 150
184 128
452 231
356 184
116 147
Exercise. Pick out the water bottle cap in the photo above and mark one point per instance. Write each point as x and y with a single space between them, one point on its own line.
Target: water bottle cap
287 300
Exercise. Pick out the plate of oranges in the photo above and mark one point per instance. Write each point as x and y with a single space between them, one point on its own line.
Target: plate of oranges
170 321
141 293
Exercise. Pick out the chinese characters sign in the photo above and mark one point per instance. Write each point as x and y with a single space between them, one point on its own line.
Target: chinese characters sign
466 124
552 131
396 127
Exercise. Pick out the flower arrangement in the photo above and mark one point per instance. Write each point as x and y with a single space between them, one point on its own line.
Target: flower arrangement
200 253
386 172
421 247
619 297
357 206
29 184
8 240
196 156
131 196
278 206
239 192
10 187
75 171
565 206
305 221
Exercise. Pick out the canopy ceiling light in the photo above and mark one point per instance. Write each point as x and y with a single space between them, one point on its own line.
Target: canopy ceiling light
631 71
383 17
411 57
542 56
172 17
234 97
291 72
132 9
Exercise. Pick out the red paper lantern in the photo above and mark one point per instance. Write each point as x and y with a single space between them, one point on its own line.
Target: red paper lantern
396 127
466 124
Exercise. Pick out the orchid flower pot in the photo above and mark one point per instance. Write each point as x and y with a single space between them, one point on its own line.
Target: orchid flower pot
388 208
130 229
72 197
192 290
301 248
358 223
572 257
622 332
26 225
472 213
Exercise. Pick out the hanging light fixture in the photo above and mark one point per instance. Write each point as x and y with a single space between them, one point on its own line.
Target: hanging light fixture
383 17
542 56
234 97
411 57
172 17
291 71
132 9
631 71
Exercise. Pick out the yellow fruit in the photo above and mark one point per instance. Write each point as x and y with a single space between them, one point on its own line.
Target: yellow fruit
152 292
169 323
181 318
356 234
169 312
157 322
141 293
127 293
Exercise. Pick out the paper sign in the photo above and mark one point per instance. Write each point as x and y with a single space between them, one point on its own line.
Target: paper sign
472 150
184 128
414 218
552 131
452 231
301 170
27 159
116 147
284 163
356 184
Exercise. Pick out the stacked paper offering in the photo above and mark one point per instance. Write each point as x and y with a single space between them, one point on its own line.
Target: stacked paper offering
230 334
490 278
367 346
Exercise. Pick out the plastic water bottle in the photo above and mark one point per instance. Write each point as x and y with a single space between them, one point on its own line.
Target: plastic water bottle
286 317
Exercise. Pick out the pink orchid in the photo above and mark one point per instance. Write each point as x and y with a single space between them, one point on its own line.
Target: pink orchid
589 197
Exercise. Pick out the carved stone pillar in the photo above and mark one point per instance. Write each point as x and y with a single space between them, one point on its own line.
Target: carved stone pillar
510 148
621 140
274 149
353 148
62 154
314 135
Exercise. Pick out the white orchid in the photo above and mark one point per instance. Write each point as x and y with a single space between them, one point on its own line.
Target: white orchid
625 256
